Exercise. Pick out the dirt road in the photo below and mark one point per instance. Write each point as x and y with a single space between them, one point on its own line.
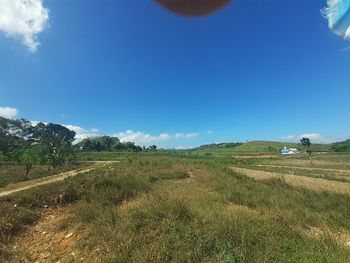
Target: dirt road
18 187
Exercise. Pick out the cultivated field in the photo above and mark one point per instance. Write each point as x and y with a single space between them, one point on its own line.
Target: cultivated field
185 207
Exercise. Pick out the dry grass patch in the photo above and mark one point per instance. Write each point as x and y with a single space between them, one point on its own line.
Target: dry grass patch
336 164
134 203
333 170
341 237
238 209
314 184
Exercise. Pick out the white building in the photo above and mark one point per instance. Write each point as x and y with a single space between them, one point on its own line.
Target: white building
287 151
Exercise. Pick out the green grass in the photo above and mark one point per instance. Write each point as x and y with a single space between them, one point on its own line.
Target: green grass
147 209
12 173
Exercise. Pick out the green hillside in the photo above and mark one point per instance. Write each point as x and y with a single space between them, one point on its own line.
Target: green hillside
258 147
343 146
344 142
275 147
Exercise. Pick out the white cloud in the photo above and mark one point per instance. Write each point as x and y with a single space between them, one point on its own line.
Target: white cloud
24 19
140 138
186 135
8 112
82 133
314 137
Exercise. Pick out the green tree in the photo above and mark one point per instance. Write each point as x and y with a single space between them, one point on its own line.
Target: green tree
152 148
306 143
29 158
14 134
107 143
58 140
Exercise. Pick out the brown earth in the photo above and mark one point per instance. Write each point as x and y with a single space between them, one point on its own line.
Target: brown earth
53 239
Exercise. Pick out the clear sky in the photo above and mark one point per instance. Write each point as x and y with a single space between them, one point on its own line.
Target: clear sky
255 70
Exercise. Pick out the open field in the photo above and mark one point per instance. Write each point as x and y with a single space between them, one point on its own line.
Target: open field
185 207
14 173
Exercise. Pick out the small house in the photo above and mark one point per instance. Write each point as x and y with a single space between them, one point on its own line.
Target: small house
289 151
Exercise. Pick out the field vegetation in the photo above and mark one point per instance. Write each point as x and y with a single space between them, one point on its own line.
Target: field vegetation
186 207
13 173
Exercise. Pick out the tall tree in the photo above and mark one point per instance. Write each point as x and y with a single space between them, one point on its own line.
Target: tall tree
58 139
306 143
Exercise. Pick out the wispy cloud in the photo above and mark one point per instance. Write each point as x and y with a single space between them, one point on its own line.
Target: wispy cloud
314 137
23 19
8 112
141 138
186 135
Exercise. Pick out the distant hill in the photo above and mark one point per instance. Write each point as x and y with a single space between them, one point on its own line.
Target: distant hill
344 142
343 146
259 147
275 147
256 147
219 146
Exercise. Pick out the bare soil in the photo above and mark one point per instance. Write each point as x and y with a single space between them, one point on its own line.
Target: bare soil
53 239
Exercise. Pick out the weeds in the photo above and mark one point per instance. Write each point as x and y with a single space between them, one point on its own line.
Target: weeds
143 210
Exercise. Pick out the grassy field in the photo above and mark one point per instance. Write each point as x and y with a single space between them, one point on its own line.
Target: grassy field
13 173
185 207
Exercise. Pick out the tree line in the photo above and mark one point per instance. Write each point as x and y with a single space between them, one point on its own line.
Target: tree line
110 144
51 144
341 146
27 144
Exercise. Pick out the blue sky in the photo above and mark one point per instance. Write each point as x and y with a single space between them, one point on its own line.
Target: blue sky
266 69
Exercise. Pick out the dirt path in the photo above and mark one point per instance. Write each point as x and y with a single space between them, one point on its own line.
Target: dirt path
55 238
18 187
315 184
